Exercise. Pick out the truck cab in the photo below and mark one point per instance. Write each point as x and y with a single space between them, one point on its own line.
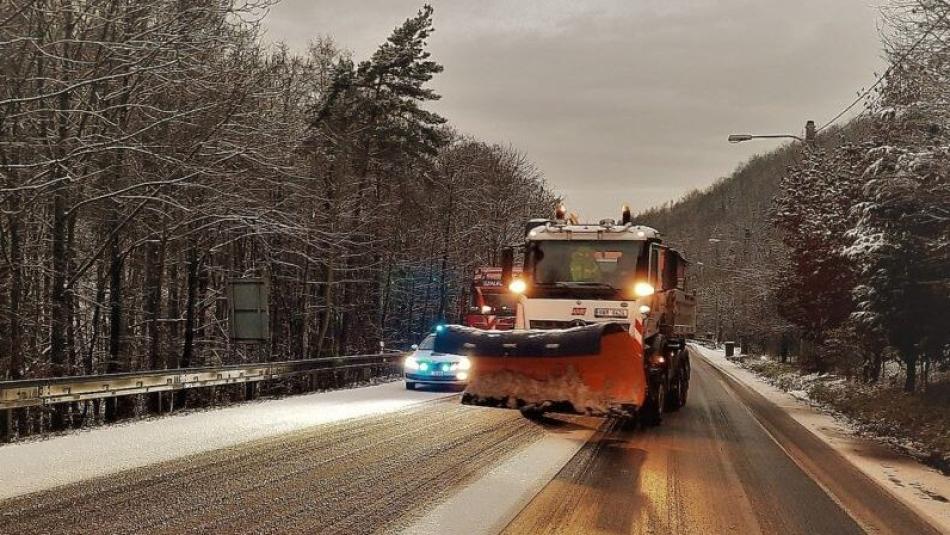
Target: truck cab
578 274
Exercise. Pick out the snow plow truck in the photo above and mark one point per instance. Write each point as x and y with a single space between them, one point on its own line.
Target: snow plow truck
602 317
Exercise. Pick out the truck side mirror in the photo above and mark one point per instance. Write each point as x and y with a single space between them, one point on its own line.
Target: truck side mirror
507 266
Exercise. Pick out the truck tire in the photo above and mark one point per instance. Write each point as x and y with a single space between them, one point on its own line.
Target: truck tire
676 397
651 415
679 387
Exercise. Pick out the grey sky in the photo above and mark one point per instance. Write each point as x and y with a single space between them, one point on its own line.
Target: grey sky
622 100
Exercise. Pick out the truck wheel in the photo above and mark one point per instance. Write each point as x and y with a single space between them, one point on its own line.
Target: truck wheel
652 411
410 385
673 397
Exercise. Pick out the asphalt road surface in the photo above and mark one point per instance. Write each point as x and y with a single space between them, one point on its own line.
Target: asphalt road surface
713 468
710 468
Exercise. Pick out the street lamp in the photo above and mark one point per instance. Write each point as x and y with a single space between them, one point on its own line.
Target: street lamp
809 135
739 138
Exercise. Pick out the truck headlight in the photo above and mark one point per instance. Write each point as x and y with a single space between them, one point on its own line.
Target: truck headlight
518 286
411 363
643 289
465 364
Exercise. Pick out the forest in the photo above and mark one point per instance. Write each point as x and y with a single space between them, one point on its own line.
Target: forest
152 151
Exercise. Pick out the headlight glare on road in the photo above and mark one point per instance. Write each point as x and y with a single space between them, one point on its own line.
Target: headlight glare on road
411 363
465 364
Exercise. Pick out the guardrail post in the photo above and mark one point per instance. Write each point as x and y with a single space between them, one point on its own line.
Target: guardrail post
6 425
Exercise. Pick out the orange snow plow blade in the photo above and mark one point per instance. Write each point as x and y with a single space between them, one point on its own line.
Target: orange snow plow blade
595 369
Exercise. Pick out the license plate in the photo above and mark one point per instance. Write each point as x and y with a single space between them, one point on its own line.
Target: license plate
439 373
610 312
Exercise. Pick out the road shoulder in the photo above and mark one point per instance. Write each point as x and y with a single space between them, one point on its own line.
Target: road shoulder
901 477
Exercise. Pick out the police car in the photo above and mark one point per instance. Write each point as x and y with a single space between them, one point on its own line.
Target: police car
427 367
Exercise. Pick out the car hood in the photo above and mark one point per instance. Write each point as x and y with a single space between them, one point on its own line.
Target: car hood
432 356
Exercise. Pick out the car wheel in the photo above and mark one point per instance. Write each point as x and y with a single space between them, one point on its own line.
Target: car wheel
410 385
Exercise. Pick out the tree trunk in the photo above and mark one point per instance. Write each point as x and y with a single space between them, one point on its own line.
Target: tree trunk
16 289
910 382
154 261
191 298
305 312
59 314
122 407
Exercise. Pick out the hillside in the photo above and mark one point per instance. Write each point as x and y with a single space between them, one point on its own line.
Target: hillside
725 232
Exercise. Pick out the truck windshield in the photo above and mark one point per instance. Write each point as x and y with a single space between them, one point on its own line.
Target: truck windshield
591 263
500 301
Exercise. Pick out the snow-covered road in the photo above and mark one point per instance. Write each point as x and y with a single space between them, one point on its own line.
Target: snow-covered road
38 465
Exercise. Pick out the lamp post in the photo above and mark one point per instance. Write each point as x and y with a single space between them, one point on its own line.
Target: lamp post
809 139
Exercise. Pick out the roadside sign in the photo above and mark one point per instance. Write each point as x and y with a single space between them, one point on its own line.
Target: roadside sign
248 309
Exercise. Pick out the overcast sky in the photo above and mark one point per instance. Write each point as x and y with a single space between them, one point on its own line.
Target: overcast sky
622 100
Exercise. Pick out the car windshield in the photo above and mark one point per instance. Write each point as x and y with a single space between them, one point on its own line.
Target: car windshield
585 263
427 343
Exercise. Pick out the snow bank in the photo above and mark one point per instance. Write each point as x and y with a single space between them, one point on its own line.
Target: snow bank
34 466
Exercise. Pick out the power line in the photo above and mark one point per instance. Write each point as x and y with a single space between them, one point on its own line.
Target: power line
895 64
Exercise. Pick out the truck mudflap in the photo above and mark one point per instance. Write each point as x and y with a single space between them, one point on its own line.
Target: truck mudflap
593 369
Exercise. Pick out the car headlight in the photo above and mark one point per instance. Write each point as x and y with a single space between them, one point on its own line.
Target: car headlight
465 364
411 363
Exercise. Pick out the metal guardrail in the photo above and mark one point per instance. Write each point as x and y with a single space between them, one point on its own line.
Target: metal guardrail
38 392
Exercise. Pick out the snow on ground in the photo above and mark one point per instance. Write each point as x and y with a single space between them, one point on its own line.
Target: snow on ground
34 466
911 482
487 505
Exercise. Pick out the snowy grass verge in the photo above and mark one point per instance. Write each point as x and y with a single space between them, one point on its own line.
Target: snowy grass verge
917 424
